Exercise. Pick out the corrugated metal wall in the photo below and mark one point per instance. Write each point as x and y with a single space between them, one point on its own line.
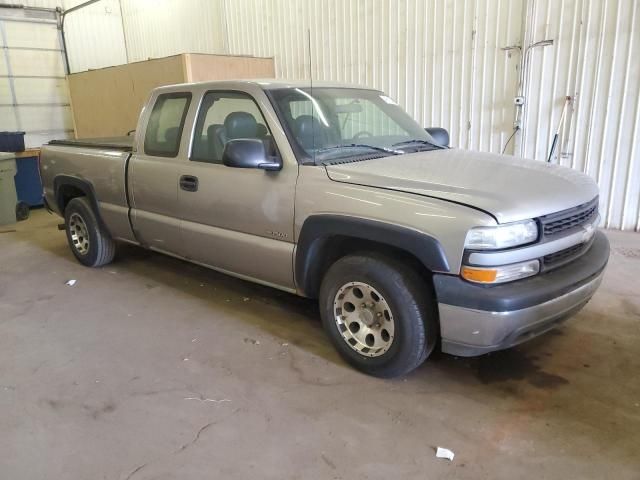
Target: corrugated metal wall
595 61
440 60
443 60
94 35
33 93
158 28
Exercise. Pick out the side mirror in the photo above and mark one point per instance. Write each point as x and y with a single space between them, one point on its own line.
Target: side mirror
248 153
440 135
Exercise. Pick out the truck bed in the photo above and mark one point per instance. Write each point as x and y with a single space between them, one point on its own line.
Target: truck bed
118 143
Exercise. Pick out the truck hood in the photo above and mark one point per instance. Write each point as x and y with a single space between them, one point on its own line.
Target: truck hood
507 187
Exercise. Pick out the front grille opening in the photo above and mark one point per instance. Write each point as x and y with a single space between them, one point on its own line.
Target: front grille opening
574 217
563 255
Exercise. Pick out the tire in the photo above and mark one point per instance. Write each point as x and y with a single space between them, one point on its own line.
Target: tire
89 241
411 322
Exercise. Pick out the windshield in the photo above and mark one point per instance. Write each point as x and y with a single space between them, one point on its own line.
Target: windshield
334 123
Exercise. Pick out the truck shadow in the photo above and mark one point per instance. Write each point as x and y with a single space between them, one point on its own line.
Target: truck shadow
296 321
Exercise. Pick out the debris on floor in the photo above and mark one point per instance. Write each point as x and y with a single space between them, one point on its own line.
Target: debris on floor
251 340
444 453
71 282
213 400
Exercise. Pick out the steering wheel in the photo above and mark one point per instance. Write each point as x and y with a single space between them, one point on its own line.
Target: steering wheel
362 133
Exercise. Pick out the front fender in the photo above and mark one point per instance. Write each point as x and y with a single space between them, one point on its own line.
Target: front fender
318 230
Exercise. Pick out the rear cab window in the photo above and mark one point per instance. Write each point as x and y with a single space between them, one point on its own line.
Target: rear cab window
165 124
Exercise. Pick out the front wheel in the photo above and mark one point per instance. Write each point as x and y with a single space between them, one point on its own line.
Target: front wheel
89 241
379 314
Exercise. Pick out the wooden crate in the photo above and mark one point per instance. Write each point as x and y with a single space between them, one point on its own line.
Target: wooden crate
107 102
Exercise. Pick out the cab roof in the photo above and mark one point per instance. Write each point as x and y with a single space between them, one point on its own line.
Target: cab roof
267 84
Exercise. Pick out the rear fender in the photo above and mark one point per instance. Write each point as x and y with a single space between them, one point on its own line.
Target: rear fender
78 184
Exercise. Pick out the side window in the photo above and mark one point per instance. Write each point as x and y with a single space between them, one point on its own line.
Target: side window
164 128
225 116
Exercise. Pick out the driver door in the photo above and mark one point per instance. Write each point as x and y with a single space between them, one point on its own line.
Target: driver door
238 220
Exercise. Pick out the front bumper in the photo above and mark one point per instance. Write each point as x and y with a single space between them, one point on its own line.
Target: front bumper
477 319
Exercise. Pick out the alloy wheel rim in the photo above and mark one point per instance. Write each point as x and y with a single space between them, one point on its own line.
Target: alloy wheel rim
364 319
79 234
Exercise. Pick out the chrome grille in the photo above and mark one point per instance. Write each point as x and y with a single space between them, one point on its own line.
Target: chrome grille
568 219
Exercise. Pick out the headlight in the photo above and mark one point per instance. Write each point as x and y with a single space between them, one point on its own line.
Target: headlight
502 236
504 273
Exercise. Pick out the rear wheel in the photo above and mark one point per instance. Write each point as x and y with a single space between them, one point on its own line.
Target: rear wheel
89 241
379 314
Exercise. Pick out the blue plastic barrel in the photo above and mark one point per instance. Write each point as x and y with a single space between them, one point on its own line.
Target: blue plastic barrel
11 141
28 183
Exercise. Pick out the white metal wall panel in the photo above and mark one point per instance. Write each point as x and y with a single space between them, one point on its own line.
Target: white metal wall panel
33 95
444 63
158 28
440 60
593 60
94 36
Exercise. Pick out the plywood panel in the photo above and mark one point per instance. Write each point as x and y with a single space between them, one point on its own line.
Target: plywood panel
107 102
201 68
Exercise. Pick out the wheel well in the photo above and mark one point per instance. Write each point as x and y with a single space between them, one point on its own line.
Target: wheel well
66 193
336 247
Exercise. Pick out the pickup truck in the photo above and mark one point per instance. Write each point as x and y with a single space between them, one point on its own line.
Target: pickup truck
333 192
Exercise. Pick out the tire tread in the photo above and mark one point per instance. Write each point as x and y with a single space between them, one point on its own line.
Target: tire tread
423 334
104 244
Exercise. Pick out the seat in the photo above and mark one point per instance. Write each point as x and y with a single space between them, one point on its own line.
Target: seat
312 134
215 145
240 125
171 136
236 125
263 131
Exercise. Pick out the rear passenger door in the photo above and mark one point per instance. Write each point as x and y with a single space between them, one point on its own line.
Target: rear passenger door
153 174
238 220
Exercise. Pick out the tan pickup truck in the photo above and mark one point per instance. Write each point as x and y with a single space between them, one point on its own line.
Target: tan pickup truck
334 192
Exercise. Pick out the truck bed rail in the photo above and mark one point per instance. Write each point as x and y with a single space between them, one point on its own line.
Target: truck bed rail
119 143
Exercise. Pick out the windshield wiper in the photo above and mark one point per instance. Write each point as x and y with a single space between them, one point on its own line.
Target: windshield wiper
359 145
421 142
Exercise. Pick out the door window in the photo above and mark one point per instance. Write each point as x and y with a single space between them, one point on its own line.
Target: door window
226 116
164 128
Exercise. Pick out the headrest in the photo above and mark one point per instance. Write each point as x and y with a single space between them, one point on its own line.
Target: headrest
304 127
240 125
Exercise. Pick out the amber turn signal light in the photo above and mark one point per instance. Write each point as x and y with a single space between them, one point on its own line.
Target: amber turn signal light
481 275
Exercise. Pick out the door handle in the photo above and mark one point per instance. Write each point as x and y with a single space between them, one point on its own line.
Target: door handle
189 183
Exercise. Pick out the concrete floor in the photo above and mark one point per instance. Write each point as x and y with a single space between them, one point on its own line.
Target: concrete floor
151 368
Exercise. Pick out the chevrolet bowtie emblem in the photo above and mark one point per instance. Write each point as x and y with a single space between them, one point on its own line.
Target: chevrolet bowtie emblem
589 230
